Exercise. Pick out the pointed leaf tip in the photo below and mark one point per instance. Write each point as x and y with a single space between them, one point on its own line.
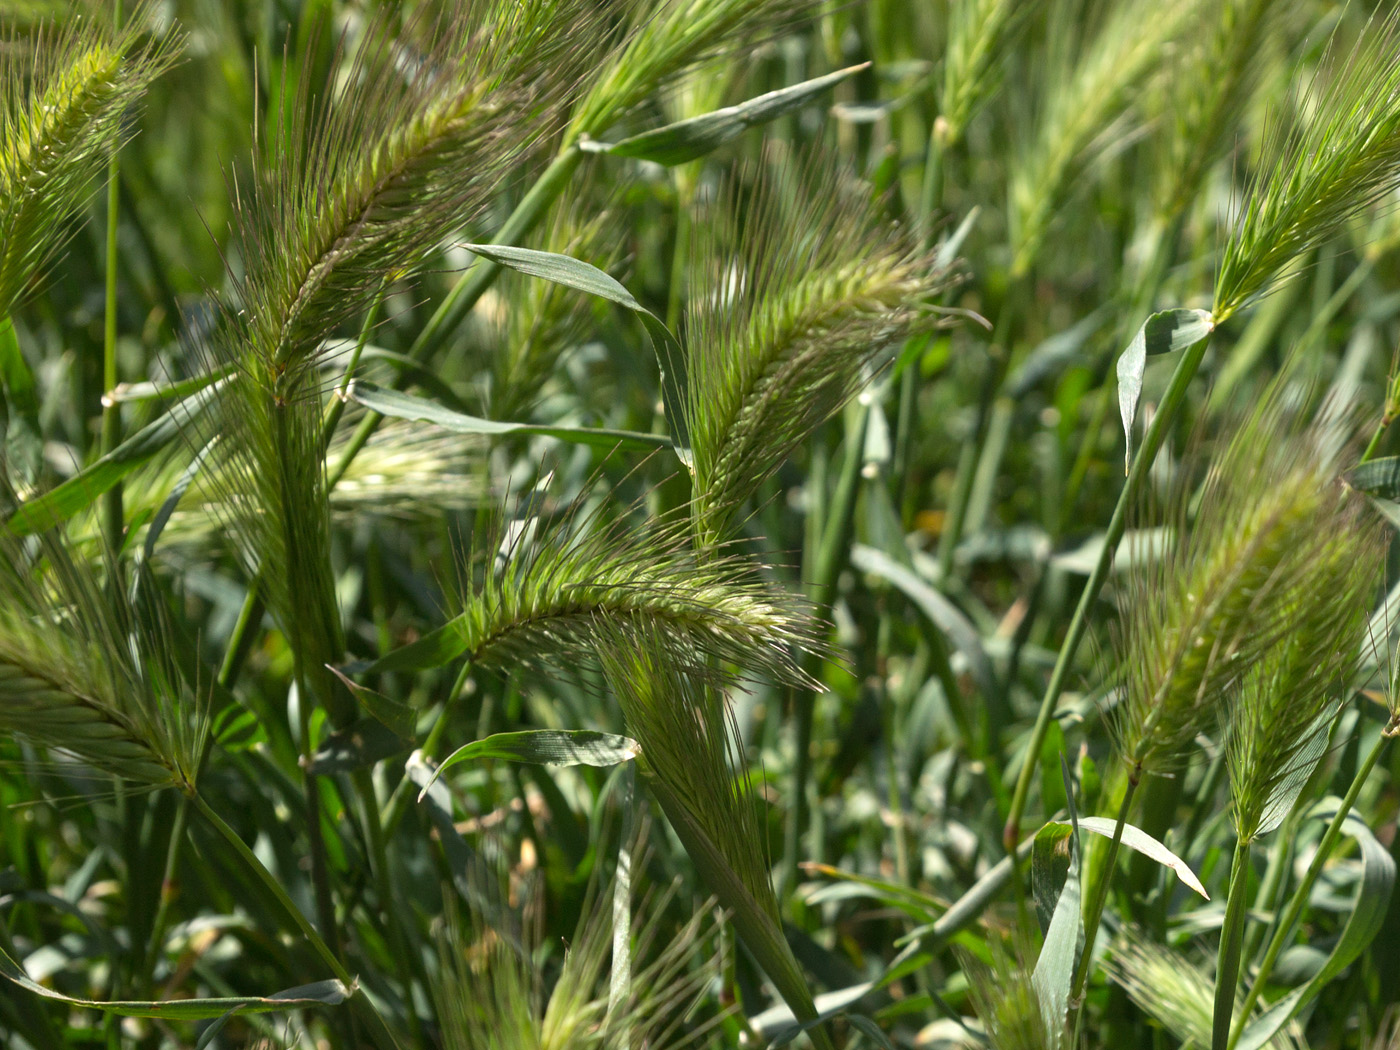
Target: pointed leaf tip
1162 333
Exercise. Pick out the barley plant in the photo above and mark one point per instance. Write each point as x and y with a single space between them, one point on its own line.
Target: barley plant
644 524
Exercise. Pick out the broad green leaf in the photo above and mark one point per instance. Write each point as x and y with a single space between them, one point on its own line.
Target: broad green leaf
322 993
1367 917
399 405
946 616
1377 477
63 501
1054 970
583 277
687 140
1137 839
1161 333
434 649
546 747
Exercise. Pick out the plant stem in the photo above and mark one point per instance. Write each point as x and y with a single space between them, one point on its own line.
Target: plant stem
1227 968
112 516
167 888
827 564
381 1032
1152 441
1299 900
390 915
1095 914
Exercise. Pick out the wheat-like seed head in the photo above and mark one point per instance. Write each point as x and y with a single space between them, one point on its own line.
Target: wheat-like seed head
553 586
1207 93
1274 532
1175 991
61 117
1316 175
1087 99
683 725
670 38
489 994
83 674
798 286
545 320
1005 997
357 191
977 32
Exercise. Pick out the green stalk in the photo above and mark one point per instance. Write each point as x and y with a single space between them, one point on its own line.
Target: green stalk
827 564
380 1030
1137 475
390 915
1227 968
1299 900
112 516
1095 914
167 887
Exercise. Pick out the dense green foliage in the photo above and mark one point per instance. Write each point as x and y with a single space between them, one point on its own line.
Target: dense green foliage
603 523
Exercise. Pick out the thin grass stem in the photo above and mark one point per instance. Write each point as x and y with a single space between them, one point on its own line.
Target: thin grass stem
113 522
1227 967
1095 914
390 914
167 888
1152 441
835 537
1300 897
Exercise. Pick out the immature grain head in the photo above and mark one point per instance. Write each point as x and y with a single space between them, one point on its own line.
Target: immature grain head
82 674
1005 997
799 284
490 997
62 114
553 586
1275 562
1341 157
1173 990
360 190
1088 93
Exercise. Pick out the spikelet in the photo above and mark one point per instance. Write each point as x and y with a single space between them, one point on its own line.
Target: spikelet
82 676
1088 94
545 320
489 995
61 118
801 284
1174 991
1315 176
670 38
553 586
1208 92
977 31
410 150
1281 711
1275 534
1006 999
